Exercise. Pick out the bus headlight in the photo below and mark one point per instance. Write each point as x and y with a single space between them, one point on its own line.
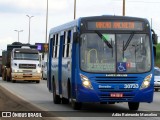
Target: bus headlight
146 82
86 82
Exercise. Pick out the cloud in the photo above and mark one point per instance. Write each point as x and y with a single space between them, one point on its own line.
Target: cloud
4 41
33 6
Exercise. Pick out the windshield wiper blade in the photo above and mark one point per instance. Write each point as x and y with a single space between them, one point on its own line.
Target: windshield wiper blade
128 41
104 39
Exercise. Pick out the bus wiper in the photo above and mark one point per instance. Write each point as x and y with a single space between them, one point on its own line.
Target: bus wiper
128 41
104 39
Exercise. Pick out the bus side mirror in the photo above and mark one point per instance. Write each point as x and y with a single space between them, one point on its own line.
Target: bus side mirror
154 38
75 37
154 51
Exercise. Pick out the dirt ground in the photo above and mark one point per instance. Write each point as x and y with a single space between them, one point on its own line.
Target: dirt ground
11 103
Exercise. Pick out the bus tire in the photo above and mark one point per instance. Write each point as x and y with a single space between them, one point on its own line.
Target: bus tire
56 98
65 100
133 105
76 105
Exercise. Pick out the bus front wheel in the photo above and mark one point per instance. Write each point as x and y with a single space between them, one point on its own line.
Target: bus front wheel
56 98
133 105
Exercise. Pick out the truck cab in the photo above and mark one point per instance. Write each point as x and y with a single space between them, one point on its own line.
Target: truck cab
25 65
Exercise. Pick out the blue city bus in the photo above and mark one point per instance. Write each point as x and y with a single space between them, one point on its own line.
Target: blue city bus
102 59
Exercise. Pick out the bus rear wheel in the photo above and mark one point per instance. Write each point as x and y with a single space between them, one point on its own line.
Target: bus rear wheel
65 100
133 105
56 98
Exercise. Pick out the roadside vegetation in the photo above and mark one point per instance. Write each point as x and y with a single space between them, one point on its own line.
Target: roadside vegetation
157 61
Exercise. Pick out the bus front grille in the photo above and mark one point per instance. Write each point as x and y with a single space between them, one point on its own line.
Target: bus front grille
124 98
115 84
116 90
116 80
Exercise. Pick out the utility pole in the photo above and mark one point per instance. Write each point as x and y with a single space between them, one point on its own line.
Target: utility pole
29 27
74 9
124 7
18 31
151 23
46 21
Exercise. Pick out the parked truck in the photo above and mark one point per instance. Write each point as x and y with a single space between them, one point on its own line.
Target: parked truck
21 62
0 66
4 61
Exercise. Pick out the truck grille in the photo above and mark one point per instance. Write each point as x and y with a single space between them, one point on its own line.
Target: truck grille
27 66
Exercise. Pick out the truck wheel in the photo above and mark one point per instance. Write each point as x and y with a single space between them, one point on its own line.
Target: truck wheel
56 98
133 105
7 78
13 81
38 81
3 76
156 89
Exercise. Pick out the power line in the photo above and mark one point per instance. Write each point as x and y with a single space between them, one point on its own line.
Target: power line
139 1
144 1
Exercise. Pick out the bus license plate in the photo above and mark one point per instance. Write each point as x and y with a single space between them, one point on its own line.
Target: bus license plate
117 95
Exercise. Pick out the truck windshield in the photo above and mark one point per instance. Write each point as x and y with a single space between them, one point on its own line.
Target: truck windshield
96 55
26 56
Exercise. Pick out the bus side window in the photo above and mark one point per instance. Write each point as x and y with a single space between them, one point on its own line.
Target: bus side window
64 44
56 46
68 43
53 45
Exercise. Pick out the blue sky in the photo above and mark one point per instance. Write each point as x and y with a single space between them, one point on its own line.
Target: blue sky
13 15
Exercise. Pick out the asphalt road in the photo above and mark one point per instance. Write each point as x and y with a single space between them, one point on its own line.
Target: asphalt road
39 95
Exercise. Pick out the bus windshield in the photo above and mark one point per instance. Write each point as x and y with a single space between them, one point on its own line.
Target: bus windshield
26 56
115 53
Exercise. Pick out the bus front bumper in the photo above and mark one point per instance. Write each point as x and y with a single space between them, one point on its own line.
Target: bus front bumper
90 95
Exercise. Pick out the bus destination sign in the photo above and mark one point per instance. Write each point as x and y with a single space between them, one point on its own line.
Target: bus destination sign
115 25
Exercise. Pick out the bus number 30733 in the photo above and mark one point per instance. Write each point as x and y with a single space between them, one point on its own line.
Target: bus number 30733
131 86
